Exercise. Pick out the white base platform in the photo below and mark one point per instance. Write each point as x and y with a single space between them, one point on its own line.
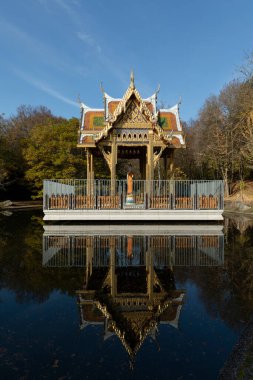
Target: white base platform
133 215
133 229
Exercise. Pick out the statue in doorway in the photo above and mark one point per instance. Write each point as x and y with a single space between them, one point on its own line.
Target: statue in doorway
130 197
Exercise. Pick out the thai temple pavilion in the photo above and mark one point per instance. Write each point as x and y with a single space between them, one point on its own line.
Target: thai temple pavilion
131 127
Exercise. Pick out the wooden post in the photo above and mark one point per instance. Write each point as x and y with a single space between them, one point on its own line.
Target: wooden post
150 157
113 164
150 164
88 170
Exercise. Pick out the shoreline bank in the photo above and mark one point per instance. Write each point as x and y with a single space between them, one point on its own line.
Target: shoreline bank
239 364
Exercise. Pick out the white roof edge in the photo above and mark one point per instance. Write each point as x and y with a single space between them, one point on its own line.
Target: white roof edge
84 134
110 98
150 98
84 106
173 109
87 108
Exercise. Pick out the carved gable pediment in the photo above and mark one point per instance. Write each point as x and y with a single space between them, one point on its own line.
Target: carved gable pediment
133 117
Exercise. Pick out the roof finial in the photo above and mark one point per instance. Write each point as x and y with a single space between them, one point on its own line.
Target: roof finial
158 89
132 79
79 99
102 88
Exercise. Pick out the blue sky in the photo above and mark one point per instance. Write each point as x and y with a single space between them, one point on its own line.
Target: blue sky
54 50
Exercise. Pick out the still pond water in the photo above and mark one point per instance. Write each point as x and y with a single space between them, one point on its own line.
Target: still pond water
128 302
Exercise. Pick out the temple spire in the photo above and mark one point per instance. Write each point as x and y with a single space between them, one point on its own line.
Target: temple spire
132 85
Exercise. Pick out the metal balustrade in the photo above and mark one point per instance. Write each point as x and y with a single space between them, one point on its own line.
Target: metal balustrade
79 194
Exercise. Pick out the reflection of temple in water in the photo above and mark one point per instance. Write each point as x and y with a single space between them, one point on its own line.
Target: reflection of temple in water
129 284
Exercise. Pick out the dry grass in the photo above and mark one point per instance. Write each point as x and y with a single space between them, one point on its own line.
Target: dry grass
242 191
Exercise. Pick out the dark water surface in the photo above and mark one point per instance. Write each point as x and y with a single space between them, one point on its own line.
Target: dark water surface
134 302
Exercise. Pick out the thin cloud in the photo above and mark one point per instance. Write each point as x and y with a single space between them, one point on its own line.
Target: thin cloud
45 88
89 40
38 49
68 6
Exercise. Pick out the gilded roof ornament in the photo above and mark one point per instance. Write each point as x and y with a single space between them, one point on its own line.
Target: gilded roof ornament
102 88
158 89
132 85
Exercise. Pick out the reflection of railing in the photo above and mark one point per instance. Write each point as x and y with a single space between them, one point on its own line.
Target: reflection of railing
170 250
104 194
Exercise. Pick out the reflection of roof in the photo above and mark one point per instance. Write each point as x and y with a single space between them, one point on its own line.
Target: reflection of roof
131 315
132 327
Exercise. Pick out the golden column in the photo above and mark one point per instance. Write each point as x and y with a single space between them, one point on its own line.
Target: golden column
150 162
113 164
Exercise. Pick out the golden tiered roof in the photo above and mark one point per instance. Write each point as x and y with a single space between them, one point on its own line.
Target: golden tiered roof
130 112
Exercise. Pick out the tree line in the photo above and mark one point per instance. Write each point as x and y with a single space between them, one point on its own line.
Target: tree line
220 140
37 145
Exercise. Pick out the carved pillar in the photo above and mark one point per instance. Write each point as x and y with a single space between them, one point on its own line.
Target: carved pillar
149 164
88 163
113 164
150 156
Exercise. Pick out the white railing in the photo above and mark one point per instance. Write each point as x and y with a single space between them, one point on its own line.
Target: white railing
80 194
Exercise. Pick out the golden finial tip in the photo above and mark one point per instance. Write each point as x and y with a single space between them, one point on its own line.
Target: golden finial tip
102 88
132 79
